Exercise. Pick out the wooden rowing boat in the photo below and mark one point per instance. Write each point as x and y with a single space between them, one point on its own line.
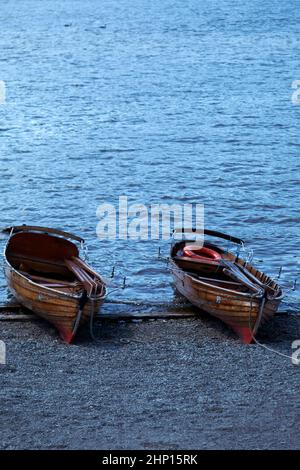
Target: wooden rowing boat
230 289
45 274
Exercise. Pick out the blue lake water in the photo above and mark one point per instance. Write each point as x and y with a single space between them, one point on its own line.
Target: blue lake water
165 102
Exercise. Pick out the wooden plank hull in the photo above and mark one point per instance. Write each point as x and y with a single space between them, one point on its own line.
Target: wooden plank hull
59 309
243 312
38 276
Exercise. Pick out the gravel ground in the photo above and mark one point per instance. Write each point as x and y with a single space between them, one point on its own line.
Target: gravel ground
164 384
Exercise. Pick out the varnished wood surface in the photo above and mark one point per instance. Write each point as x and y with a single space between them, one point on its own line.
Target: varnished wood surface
58 304
234 307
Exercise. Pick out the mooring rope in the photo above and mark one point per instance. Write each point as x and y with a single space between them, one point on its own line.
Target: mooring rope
271 350
256 340
82 303
92 320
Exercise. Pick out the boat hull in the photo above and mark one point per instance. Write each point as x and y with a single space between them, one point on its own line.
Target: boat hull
242 312
59 309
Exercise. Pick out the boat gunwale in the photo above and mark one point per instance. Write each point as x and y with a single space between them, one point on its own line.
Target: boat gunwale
14 229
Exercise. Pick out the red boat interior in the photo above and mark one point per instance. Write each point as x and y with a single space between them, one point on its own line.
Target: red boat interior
52 262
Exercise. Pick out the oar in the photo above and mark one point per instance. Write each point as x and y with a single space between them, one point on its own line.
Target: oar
87 281
86 267
233 271
97 278
256 280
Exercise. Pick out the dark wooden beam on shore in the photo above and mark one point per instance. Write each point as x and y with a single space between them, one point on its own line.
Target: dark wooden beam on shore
10 306
145 315
13 311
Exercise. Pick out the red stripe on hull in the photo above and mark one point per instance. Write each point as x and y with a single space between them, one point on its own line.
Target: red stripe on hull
66 335
244 332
